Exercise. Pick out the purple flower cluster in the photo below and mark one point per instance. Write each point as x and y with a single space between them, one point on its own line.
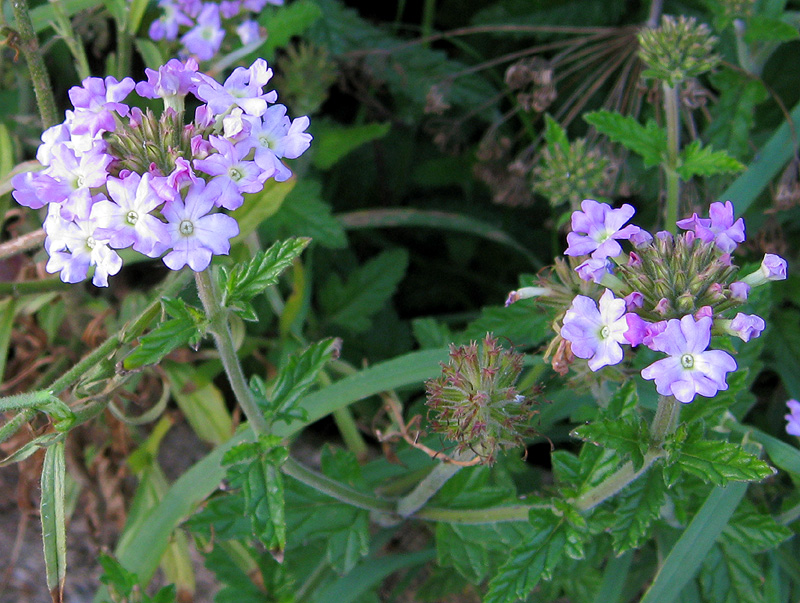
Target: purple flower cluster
668 294
116 177
202 26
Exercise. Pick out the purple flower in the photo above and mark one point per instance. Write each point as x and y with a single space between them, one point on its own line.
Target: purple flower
166 26
740 291
249 32
243 88
596 333
691 368
719 228
275 136
74 248
232 174
205 38
596 229
594 269
95 101
746 326
172 82
773 268
128 221
793 419
72 176
29 189
196 235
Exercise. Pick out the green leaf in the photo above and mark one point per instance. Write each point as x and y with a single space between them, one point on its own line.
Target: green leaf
239 588
629 437
687 555
247 280
345 548
555 135
182 328
306 214
260 206
279 398
731 574
755 531
116 576
150 53
264 504
623 402
285 22
200 401
6 152
430 333
522 323
718 462
639 505
54 532
367 289
696 160
532 560
649 141
733 115
768 29
333 141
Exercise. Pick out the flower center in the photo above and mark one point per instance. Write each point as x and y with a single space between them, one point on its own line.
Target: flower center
235 174
90 242
81 181
265 142
687 361
186 228
132 218
605 332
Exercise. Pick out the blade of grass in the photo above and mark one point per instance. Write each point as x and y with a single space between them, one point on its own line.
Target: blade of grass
685 558
614 577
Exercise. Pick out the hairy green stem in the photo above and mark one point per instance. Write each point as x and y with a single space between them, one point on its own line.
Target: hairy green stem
666 419
31 240
671 164
171 287
29 45
614 483
13 425
428 487
220 329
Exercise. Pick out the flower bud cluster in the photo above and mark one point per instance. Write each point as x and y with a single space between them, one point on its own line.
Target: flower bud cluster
202 26
570 174
475 403
669 293
677 50
118 177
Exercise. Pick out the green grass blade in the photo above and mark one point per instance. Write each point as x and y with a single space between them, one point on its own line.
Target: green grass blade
614 577
142 552
769 160
54 534
686 557
383 218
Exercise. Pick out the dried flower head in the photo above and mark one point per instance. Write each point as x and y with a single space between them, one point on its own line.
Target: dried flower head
475 401
677 50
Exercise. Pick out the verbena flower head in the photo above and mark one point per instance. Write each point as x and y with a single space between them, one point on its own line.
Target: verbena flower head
118 177
666 294
475 401
677 50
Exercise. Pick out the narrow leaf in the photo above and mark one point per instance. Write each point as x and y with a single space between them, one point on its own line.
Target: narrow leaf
169 335
54 535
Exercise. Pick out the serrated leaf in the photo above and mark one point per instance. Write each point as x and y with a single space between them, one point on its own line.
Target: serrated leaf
430 333
755 531
264 503
346 547
169 335
734 112
566 468
648 141
555 135
352 303
239 588
731 575
245 281
697 160
718 462
639 505
333 141
624 401
306 214
278 398
628 436
116 576
529 562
